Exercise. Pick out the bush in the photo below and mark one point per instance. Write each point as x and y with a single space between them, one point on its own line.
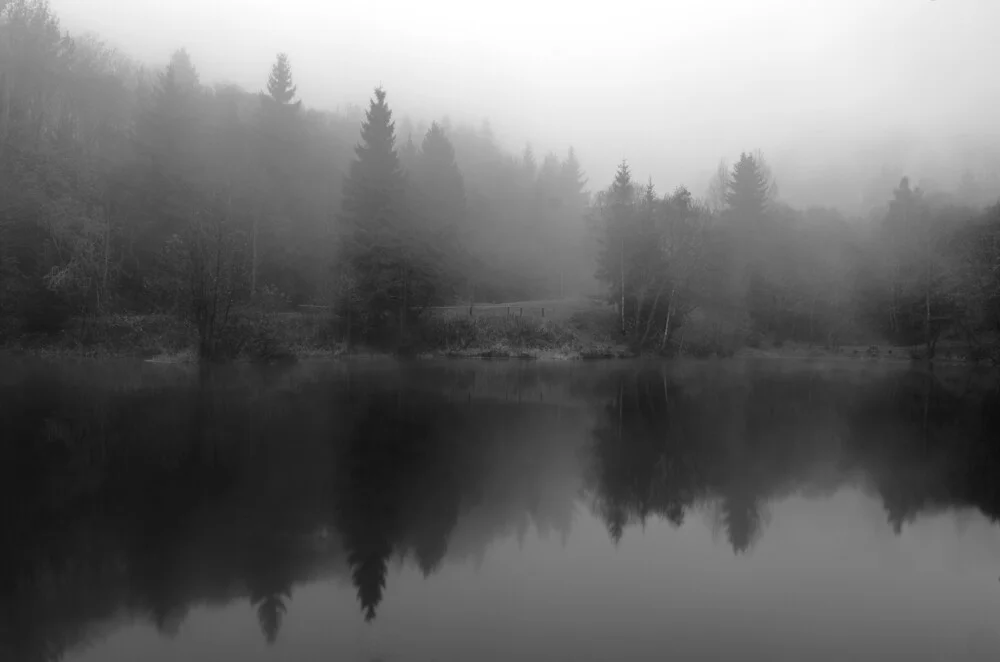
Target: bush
707 348
495 333
251 334
44 312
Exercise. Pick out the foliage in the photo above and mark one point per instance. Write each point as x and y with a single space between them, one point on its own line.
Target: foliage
127 191
499 334
925 271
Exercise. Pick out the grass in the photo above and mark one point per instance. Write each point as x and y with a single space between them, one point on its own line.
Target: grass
579 328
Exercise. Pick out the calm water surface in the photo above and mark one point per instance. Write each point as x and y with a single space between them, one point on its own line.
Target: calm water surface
498 511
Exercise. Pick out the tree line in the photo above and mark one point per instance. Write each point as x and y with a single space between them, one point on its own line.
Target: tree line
125 190
741 267
129 190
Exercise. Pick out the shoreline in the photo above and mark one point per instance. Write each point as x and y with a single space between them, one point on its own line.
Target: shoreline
582 335
600 353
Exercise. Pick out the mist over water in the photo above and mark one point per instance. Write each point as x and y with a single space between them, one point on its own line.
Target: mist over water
769 508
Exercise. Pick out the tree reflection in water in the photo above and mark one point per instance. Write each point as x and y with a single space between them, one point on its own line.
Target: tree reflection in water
155 497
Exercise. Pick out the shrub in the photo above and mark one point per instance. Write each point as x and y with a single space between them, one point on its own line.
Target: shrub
463 333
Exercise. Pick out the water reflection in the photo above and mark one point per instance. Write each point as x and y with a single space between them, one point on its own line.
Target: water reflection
144 492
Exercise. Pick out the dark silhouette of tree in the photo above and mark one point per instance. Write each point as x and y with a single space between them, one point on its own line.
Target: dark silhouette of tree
742 520
280 87
441 183
383 454
749 190
529 165
618 239
270 612
408 155
268 560
369 566
573 182
434 515
374 185
380 237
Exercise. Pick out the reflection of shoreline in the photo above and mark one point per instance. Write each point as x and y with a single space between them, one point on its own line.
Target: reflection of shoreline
227 482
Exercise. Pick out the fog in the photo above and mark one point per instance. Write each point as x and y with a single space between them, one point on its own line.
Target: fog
823 88
679 180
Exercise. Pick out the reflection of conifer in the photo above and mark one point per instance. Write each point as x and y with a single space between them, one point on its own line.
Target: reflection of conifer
743 522
368 569
386 452
268 581
615 519
270 613
433 535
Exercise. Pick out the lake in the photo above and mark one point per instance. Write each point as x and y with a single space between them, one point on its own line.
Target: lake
770 510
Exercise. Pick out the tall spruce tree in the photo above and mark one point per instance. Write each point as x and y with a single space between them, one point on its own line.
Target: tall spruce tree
572 182
616 208
529 165
383 247
280 86
441 206
441 183
748 191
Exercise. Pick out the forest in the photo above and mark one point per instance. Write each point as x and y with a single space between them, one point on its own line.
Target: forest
134 200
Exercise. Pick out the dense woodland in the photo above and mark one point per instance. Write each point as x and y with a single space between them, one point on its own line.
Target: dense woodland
126 191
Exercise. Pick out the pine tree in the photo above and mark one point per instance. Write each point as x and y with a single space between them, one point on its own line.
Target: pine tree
548 186
380 242
528 163
441 205
572 181
616 207
280 87
374 185
749 190
408 155
441 181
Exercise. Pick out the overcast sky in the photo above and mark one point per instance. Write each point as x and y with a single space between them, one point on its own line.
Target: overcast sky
672 85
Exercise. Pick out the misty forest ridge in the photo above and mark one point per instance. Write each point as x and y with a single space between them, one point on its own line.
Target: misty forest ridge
146 212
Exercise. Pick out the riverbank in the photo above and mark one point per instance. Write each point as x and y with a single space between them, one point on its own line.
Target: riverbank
292 336
567 331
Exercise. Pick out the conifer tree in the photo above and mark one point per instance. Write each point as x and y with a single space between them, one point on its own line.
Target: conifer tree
528 163
749 190
441 182
373 188
572 181
380 240
408 155
280 86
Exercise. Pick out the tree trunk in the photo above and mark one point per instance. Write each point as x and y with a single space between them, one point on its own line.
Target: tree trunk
812 306
107 254
666 326
652 316
406 303
253 257
621 263
927 325
927 308
348 334
4 110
